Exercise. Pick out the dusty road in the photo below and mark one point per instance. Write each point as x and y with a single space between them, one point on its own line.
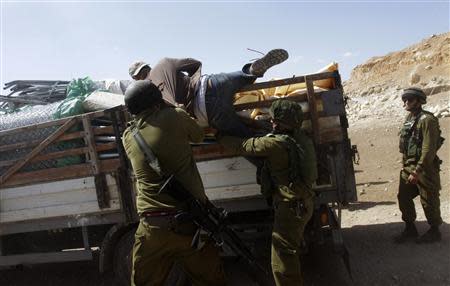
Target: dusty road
368 227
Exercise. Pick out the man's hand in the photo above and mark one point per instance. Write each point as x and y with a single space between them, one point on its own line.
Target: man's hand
413 178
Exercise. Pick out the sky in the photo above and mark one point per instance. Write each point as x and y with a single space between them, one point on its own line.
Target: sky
63 40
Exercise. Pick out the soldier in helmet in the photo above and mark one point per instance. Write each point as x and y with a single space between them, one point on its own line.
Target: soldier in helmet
160 239
419 141
286 180
208 98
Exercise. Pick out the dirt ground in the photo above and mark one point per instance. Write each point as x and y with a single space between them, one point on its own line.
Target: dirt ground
370 223
368 227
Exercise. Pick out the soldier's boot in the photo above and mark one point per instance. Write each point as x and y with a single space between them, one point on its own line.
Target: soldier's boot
273 57
432 235
408 234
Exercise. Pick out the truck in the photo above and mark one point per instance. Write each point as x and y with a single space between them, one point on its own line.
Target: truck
67 190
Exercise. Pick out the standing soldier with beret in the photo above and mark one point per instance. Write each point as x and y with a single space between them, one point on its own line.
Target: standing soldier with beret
419 141
161 239
286 179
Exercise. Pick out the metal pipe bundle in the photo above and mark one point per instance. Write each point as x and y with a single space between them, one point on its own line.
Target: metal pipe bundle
32 92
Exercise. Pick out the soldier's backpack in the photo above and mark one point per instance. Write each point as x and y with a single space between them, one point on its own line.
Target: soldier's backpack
302 163
302 158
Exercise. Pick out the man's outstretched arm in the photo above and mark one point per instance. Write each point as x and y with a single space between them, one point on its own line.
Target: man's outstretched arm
257 146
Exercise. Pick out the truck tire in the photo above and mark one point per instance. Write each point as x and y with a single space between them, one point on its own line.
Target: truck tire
123 262
122 259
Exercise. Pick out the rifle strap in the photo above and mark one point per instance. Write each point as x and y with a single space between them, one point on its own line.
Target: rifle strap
151 159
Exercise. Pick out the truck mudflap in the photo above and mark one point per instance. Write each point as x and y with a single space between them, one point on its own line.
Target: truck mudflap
324 231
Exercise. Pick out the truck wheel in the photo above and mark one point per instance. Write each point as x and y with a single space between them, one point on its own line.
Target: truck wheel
122 259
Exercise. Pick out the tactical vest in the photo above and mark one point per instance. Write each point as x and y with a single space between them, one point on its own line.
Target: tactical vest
411 137
302 166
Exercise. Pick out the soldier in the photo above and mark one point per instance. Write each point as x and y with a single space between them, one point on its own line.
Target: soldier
286 180
419 141
209 98
161 239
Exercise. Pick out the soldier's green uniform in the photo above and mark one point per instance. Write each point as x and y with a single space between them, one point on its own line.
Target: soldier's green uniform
168 132
419 141
292 197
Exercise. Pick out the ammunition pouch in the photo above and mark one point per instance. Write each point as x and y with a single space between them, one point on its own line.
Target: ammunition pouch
411 140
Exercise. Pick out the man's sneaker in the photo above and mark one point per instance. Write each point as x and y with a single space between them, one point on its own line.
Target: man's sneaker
432 235
408 234
274 57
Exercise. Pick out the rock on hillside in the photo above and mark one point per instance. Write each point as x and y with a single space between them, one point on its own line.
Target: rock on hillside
374 88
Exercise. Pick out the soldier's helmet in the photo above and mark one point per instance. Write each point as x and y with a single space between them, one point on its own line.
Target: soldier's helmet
141 95
414 92
287 112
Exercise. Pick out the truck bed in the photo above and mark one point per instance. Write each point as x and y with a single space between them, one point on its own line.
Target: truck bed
99 188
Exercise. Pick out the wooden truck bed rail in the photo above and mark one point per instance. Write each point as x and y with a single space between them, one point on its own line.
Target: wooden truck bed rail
68 130
86 147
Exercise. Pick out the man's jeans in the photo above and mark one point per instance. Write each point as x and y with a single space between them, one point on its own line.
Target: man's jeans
219 102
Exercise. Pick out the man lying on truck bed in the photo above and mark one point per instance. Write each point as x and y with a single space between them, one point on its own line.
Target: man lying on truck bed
208 98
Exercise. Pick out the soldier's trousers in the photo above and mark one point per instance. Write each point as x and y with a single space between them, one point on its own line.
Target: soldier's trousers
287 236
429 198
156 250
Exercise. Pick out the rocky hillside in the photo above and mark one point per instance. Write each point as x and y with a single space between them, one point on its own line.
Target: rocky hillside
374 88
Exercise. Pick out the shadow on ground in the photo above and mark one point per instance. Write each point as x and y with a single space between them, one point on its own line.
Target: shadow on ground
61 274
375 260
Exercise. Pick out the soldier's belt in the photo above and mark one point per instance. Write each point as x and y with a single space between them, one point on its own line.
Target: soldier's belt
170 222
161 213
298 206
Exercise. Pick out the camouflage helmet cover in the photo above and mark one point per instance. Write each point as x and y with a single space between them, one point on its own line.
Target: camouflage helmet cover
414 92
287 112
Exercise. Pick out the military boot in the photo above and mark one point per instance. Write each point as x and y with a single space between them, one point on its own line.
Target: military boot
432 235
273 57
408 234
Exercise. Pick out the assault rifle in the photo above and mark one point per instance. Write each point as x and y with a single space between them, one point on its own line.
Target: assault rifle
206 216
213 221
